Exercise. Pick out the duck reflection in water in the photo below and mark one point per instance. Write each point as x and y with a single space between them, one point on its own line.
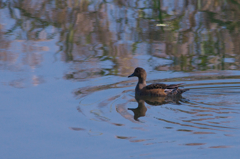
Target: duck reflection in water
141 110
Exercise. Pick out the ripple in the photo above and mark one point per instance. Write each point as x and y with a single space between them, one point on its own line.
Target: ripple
194 144
220 146
210 108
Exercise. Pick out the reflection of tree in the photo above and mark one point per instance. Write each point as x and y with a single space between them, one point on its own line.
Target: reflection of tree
207 47
199 35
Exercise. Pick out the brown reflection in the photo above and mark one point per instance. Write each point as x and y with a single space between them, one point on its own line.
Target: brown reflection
197 125
117 124
139 140
204 133
185 130
141 110
124 137
198 35
221 146
84 91
77 129
195 144
131 139
121 109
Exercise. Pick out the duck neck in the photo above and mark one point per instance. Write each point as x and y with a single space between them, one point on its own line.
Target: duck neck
141 83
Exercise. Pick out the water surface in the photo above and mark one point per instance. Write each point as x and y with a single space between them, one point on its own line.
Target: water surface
64 86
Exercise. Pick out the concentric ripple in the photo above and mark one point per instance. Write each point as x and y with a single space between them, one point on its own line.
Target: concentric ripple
205 115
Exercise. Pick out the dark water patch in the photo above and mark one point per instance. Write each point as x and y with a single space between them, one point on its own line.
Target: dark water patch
185 130
194 144
124 137
77 129
220 146
201 132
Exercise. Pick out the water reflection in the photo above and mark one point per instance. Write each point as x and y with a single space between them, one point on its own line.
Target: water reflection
199 119
141 110
88 47
106 37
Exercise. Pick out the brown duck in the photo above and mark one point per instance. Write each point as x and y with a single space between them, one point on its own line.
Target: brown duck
156 89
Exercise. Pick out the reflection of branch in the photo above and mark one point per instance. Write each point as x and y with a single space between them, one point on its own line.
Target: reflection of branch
207 5
20 22
3 4
81 29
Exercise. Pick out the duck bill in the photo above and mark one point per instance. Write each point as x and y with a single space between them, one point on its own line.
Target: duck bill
132 75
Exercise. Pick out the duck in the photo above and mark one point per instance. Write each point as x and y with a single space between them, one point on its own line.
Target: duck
156 89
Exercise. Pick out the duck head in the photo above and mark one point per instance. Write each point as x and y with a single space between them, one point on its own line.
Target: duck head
139 72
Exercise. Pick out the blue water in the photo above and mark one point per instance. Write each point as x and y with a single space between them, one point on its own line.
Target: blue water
64 86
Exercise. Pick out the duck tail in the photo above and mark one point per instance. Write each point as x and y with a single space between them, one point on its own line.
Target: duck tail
180 91
177 91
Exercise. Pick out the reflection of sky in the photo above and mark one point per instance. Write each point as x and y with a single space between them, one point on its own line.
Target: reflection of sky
28 61
171 7
6 21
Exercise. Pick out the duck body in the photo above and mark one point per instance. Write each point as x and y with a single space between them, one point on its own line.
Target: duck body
156 89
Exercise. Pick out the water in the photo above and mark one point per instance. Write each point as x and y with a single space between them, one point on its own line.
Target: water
64 86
